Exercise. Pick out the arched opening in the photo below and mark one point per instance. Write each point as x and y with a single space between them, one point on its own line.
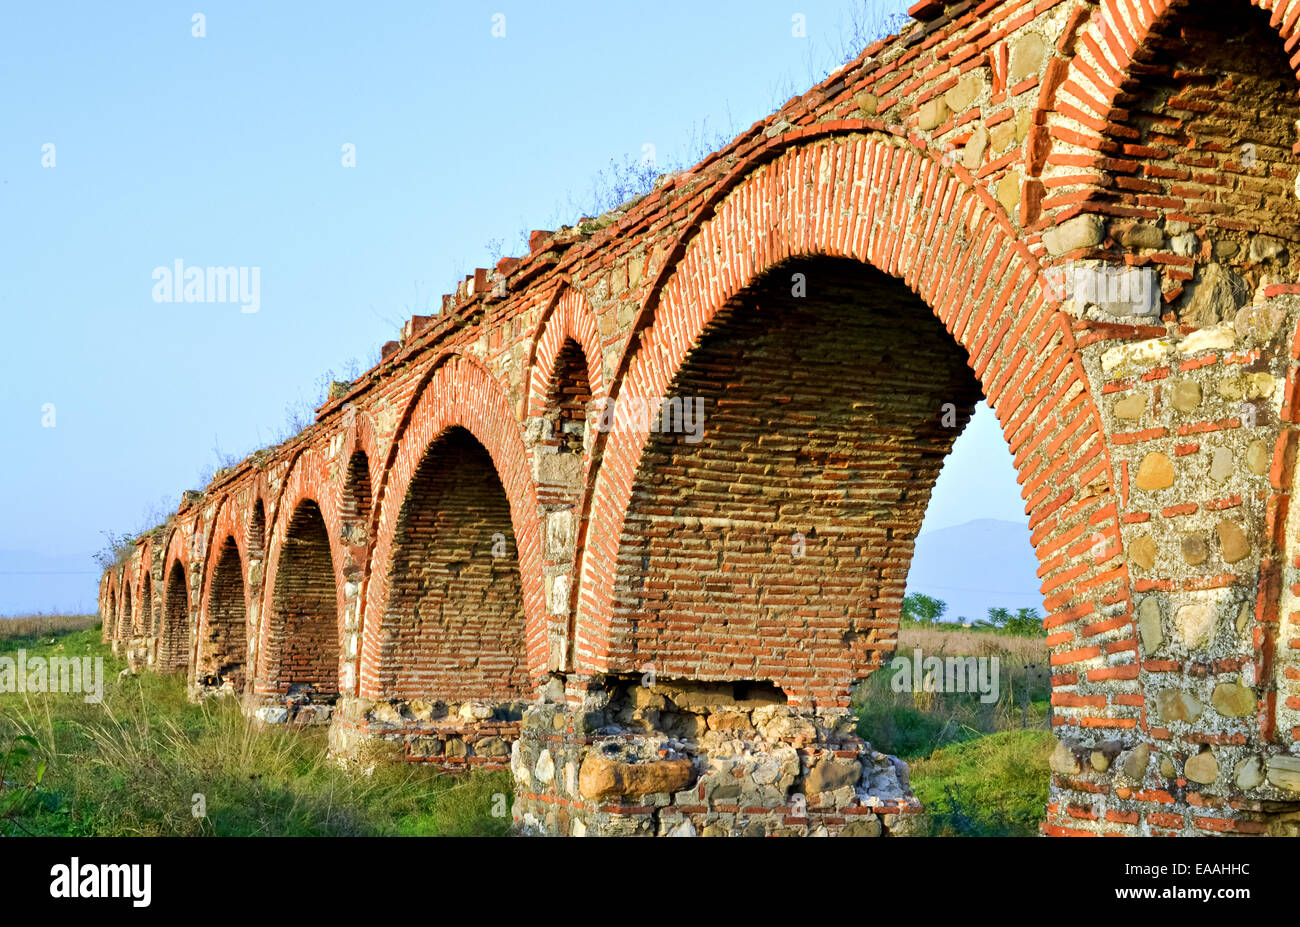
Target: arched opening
223 649
974 552
126 621
567 400
453 627
110 617
257 531
355 505
785 479
144 620
172 655
1199 182
300 656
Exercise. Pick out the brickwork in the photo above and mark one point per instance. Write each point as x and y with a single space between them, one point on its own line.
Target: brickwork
1083 210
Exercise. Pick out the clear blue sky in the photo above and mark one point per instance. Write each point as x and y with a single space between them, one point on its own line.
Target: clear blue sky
226 150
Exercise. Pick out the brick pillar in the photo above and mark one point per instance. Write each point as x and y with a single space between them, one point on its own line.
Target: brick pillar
1167 704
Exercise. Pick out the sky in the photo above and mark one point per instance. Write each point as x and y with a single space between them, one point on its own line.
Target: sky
130 142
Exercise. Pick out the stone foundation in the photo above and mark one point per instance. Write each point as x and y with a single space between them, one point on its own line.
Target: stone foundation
474 734
616 757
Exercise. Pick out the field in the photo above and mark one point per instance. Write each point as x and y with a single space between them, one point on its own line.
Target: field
979 767
145 761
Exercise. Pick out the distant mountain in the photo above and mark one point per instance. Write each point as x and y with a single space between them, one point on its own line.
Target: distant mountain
32 582
976 566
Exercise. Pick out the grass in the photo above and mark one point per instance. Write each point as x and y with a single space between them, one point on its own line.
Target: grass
995 785
980 768
27 630
145 760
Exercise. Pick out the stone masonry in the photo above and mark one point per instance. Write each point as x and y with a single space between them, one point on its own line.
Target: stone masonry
633 513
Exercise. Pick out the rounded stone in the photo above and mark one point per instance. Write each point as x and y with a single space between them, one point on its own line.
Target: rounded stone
1167 770
1064 761
1202 768
1258 457
1155 472
1233 700
1135 762
1196 624
1149 624
1233 543
1143 551
1195 550
1141 235
1185 395
1249 773
1221 464
1243 618
1178 705
1027 56
1130 408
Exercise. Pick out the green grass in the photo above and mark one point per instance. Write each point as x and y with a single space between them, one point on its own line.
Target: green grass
134 764
141 760
979 768
994 785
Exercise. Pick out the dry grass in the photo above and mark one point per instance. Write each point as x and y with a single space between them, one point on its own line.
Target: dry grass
38 625
973 644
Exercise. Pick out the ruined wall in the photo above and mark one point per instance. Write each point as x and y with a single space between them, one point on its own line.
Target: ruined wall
1082 209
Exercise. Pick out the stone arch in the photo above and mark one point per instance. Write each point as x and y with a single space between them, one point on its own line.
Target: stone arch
256 541
144 620
984 287
221 648
126 619
569 321
222 651
1171 160
459 407
1222 224
174 635
453 627
109 632
356 505
311 479
298 656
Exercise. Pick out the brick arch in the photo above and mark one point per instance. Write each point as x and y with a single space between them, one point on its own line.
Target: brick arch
360 439
109 632
174 635
981 283
457 392
1115 31
569 318
228 529
126 610
308 482
1086 91
144 588
146 627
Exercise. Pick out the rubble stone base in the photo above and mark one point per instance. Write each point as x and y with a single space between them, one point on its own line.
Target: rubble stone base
473 734
620 757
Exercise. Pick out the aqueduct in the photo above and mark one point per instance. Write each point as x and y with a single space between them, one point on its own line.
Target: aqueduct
634 512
